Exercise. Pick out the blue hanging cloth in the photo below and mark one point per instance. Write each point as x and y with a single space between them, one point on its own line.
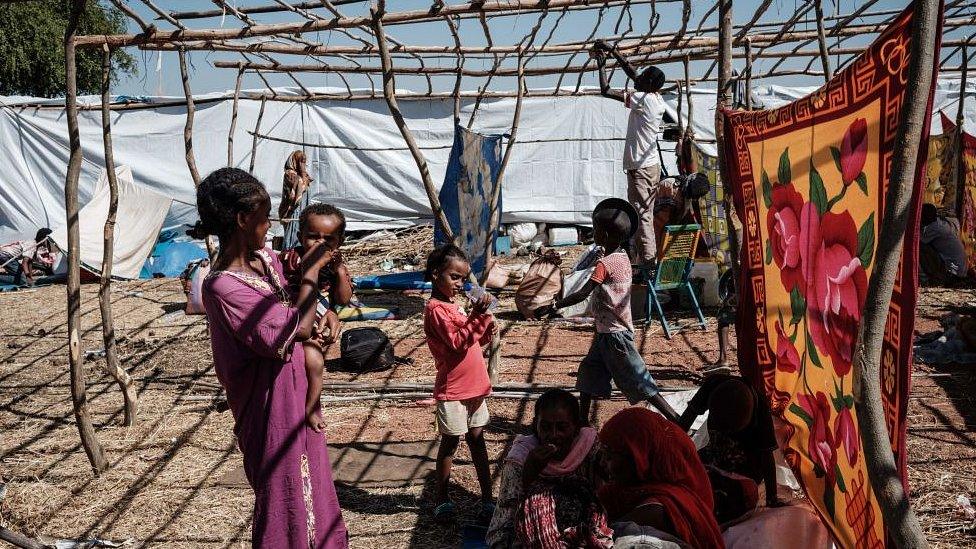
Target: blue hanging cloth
472 175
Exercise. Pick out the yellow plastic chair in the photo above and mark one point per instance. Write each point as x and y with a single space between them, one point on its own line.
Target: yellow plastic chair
674 265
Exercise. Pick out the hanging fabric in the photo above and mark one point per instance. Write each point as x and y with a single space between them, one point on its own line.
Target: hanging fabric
967 217
810 179
471 177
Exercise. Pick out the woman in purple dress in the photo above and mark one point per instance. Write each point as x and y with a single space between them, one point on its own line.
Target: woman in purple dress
254 325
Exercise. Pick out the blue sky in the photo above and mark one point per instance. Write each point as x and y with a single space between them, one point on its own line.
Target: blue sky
575 26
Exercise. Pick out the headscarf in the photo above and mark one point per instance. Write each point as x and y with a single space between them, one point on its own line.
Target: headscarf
653 77
294 184
669 473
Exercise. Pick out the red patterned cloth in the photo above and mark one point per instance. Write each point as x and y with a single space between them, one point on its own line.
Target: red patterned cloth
809 181
967 210
538 525
669 474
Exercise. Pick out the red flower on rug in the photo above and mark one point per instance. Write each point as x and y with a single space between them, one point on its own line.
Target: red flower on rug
821 443
845 434
854 150
837 290
783 220
787 358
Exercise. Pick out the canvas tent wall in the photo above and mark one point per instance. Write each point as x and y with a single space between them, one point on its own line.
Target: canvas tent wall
139 218
567 159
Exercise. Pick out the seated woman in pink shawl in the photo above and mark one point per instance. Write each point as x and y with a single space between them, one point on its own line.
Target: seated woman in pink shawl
549 480
254 328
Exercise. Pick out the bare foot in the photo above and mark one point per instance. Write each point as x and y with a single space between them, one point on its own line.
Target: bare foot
315 421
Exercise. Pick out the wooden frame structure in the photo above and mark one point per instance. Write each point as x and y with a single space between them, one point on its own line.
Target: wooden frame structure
807 35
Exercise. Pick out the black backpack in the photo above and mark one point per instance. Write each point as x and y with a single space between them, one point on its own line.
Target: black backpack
365 350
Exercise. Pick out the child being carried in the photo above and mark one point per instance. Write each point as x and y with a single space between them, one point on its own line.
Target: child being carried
326 224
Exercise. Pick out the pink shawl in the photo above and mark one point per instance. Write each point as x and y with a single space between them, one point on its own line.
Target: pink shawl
584 442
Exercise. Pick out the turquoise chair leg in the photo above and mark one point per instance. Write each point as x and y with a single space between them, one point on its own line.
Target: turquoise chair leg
648 318
694 303
652 294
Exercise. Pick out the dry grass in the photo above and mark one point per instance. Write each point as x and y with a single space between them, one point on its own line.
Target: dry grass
164 486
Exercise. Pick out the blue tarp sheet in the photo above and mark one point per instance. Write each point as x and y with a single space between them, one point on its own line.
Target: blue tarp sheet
410 280
170 256
472 174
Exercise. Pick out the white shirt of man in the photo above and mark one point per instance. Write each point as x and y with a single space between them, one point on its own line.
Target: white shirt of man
943 235
643 130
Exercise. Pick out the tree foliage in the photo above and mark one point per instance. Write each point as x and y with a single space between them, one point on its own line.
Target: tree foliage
32 47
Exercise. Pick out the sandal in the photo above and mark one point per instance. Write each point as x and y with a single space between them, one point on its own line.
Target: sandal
445 512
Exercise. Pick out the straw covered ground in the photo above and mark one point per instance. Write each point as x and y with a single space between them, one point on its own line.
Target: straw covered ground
171 478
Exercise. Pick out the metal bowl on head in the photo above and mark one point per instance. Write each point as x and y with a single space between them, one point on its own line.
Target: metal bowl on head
621 205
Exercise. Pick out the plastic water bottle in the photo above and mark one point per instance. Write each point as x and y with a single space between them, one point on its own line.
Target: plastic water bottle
476 292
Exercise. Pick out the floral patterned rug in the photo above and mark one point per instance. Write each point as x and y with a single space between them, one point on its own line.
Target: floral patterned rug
809 181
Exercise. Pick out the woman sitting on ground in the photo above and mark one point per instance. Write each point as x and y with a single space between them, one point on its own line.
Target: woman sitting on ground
548 483
658 490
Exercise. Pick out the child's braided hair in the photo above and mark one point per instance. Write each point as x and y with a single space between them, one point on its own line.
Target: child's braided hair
439 258
221 196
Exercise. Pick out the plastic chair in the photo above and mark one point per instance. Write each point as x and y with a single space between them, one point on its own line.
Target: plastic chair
673 272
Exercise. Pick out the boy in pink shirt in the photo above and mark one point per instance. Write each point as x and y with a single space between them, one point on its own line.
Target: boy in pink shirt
455 340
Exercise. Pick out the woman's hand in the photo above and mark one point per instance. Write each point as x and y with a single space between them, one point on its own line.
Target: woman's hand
541 454
536 461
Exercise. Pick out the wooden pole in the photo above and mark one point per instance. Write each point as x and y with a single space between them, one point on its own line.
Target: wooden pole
20 540
691 105
369 50
257 130
460 69
233 118
681 107
494 216
488 9
724 102
79 396
901 522
124 8
268 8
748 47
960 167
389 93
822 40
191 163
112 365
698 47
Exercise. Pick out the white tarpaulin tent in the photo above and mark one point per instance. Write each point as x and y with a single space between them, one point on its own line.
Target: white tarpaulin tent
568 157
139 218
567 160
